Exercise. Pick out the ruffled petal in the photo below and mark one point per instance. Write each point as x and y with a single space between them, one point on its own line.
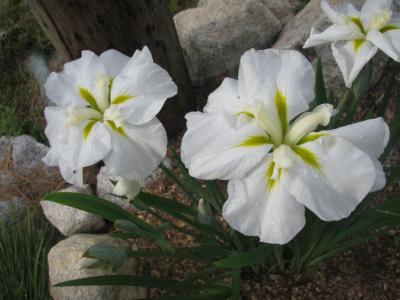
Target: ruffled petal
254 210
277 76
333 33
220 146
380 179
85 149
113 61
63 88
337 14
371 7
370 136
72 176
141 88
138 153
225 97
331 177
388 42
352 57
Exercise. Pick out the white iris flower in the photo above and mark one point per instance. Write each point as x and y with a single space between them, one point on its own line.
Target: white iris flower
106 110
255 133
357 35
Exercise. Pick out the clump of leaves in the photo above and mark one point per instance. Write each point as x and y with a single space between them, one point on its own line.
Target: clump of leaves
24 245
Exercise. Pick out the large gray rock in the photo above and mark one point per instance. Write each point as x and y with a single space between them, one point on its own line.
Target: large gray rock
66 263
69 220
27 153
12 210
283 10
296 32
214 36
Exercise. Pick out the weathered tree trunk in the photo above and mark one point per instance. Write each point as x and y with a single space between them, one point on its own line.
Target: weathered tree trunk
125 25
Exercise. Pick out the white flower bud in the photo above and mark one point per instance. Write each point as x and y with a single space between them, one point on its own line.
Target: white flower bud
127 188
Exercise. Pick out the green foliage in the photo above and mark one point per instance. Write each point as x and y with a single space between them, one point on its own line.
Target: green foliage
20 35
23 257
176 6
9 121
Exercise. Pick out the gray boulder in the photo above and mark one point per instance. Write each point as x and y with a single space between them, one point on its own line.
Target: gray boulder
283 10
66 263
296 32
215 35
69 220
27 153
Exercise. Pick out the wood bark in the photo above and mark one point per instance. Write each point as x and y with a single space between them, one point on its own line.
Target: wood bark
124 25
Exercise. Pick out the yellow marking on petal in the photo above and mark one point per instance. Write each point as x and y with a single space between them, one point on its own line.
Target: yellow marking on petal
246 113
311 137
357 44
388 28
281 107
308 157
358 22
110 83
255 141
88 129
271 183
122 99
89 98
119 130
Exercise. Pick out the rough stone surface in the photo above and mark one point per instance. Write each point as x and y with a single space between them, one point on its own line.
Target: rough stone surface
296 32
27 153
65 263
69 220
13 209
283 10
214 36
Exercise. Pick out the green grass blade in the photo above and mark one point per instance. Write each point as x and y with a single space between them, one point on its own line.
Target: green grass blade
129 280
320 91
110 211
252 257
236 284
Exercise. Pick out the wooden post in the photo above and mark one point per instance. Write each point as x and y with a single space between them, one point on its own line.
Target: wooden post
124 25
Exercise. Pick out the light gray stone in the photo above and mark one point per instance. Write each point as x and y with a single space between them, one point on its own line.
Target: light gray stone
283 10
214 36
12 210
27 153
69 220
66 263
296 32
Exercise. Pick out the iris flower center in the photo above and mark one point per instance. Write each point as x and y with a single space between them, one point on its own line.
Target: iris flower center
99 107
